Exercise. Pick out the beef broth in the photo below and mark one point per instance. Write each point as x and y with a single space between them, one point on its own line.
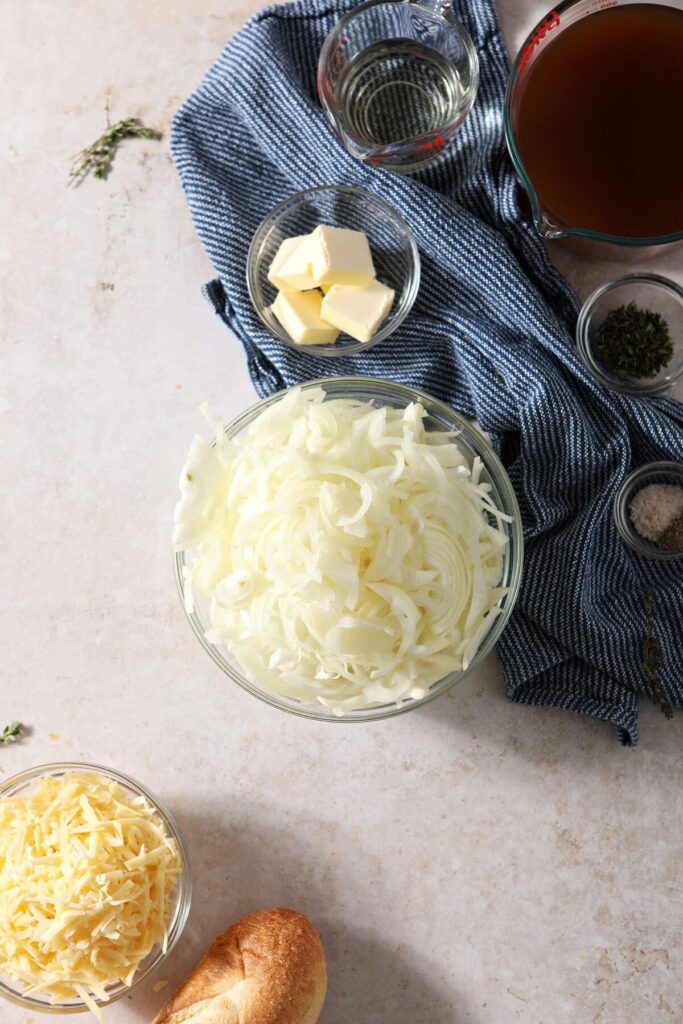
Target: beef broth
599 123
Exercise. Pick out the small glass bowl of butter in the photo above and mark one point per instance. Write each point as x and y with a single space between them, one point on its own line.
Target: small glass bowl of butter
333 270
24 786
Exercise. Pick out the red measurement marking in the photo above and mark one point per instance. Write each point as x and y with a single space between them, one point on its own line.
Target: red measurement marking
431 145
338 56
539 33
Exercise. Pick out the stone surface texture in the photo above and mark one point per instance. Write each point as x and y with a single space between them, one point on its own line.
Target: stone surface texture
472 861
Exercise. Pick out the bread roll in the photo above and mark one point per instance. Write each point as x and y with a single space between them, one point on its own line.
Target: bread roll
268 968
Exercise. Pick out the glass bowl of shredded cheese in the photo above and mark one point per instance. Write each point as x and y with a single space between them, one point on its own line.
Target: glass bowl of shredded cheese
94 887
348 549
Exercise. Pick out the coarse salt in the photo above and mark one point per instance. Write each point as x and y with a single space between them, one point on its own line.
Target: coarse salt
655 508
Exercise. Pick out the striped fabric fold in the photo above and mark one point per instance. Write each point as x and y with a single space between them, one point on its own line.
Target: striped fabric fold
491 333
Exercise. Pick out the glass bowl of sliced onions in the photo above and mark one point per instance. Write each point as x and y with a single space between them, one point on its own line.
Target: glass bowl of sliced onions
94 887
348 549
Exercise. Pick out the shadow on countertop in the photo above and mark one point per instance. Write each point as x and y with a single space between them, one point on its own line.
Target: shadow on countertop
478 706
255 865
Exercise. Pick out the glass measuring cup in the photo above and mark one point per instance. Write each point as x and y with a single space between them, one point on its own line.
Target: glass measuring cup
396 79
547 223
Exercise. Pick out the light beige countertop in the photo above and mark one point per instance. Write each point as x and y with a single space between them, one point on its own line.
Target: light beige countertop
472 861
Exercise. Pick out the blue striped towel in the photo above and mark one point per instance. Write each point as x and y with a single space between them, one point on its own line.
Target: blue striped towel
490 333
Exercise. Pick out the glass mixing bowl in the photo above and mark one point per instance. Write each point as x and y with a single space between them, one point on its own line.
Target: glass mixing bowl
22 784
394 253
471 442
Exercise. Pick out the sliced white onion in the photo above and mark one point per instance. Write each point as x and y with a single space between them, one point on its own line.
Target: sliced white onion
351 557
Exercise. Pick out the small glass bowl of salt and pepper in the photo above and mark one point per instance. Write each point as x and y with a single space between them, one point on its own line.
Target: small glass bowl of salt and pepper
648 510
629 334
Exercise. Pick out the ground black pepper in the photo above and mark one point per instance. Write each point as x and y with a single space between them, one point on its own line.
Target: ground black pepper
673 535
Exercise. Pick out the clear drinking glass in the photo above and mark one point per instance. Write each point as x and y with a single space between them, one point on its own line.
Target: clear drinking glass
396 79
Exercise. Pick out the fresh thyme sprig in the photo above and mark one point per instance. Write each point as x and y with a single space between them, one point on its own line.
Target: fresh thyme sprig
11 732
98 158
652 658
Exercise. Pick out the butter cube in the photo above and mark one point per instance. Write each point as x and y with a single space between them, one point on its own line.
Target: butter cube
357 311
299 314
291 268
341 256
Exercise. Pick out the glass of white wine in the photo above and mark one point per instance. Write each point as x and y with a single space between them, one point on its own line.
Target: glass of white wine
397 79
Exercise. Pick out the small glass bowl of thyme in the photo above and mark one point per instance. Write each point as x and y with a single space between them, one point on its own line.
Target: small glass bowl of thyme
648 510
629 334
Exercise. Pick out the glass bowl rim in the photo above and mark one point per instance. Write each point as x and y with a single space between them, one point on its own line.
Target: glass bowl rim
13 786
272 219
622 518
478 445
584 342
565 230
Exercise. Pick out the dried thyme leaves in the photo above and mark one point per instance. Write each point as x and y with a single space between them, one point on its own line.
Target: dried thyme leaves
634 342
652 659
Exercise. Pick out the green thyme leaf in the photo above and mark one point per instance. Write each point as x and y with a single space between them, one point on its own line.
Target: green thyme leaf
98 158
11 732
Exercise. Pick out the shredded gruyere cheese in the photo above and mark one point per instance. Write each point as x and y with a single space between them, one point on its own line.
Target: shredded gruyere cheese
87 881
